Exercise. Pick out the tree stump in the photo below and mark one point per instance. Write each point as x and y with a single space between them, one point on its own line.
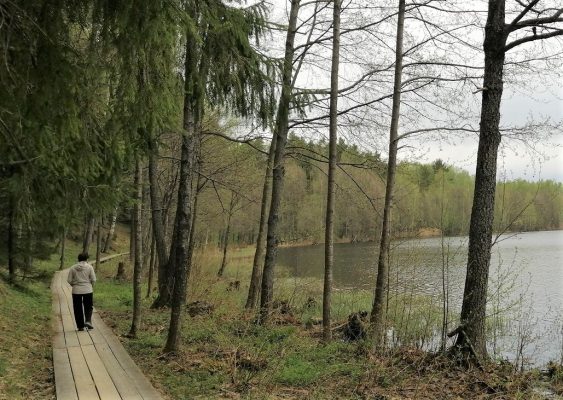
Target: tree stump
120 276
199 308
356 328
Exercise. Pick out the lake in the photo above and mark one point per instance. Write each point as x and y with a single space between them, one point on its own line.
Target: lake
526 282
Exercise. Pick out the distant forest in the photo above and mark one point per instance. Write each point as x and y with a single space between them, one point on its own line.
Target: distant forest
429 197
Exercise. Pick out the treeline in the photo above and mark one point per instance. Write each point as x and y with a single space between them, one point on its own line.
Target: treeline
433 196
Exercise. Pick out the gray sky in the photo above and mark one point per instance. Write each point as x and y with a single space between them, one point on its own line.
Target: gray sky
515 160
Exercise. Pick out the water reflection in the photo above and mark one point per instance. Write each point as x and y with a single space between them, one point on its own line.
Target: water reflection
526 277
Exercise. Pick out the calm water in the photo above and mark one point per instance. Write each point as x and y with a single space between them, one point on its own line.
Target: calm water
526 268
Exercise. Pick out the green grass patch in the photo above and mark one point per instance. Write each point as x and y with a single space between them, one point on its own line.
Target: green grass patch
25 342
298 372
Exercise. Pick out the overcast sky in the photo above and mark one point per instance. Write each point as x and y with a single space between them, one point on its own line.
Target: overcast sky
515 160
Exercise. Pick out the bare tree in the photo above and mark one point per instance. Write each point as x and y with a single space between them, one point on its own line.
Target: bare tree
98 242
471 335
331 186
63 245
378 317
280 136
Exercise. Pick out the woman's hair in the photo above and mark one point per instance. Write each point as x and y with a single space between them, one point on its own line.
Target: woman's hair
83 257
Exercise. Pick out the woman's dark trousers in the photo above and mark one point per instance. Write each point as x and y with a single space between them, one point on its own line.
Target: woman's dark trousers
83 306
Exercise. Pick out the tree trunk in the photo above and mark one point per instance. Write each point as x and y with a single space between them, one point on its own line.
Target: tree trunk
378 317
474 304
256 277
166 275
29 250
132 237
111 231
226 241
138 238
278 171
445 260
225 248
331 189
88 233
152 263
98 242
193 226
182 236
63 246
11 243
158 230
193 112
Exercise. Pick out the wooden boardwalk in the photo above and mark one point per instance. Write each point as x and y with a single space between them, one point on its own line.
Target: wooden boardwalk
91 365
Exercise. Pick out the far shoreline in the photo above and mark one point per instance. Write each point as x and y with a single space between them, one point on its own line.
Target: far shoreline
422 233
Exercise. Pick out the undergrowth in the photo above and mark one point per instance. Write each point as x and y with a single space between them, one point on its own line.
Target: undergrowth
226 355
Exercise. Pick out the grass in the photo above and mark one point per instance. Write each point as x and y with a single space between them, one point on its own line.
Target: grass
25 342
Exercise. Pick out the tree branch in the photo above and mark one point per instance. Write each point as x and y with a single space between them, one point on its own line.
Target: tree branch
556 17
246 140
521 15
525 39
442 128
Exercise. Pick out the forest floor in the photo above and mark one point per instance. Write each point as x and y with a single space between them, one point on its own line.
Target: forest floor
226 356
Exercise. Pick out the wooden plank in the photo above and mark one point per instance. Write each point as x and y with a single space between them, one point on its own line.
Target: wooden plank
84 338
68 322
96 336
56 281
85 386
121 380
71 339
104 385
65 302
64 381
56 305
143 385
67 291
107 258
58 324
59 340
